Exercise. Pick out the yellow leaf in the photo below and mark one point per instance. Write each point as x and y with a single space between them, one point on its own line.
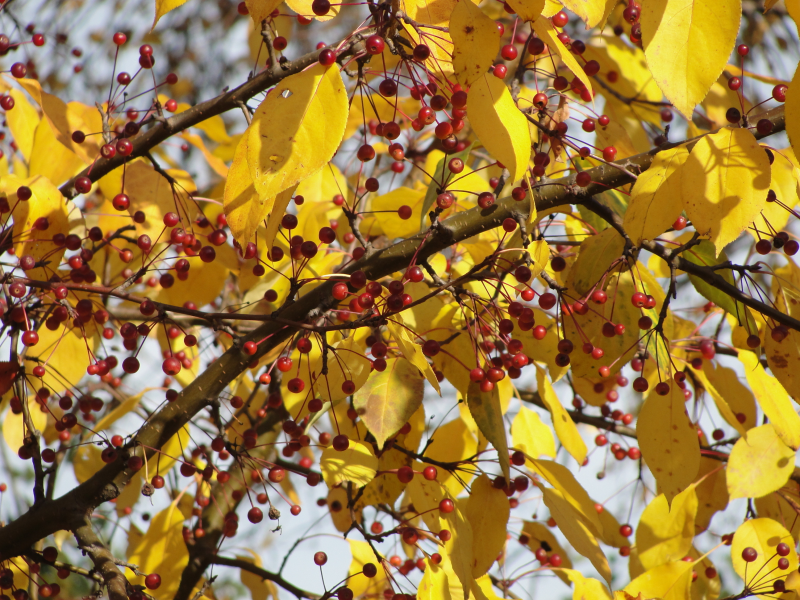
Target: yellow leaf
544 29
545 351
722 405
161 550
120 411
434 584
277 211
22 121
485 409
163 7
666 582
773 399
615 134
614 54
243 209
763 535
47 203
597 253
687 44
759 464
322 186
724 184
386 487
389 398
202 285
476 42
656 197
14 430
67 118
610 534
527 10
344 364
487 511
740 399
390 221
776 507
460 546
576 531
712 492
482 589
664 534
357 464
426 496
586 588
783 356
296 130
411 351
531 436
668 441
563 481
65 354
793 111
589 11
219 166
361 585
565 427
453 442
260 10
499 124
785 175
540 255
153 194
260 589
51 159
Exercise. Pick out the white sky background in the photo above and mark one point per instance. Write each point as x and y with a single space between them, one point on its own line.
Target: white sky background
81 21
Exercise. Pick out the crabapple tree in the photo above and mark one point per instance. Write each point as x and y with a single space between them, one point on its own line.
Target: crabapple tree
509 287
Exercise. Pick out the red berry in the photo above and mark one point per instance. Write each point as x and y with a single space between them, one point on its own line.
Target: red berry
255 515
327 57
508 52
152 581
560 19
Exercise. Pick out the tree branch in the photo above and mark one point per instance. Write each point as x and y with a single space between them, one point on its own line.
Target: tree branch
163 129
65 512
103 560
264 574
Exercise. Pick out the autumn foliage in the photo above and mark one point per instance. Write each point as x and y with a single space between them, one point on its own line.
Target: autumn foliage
432 273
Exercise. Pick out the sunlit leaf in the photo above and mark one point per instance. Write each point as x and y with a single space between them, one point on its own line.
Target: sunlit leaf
724 184
499 125
687 45
476 42
759 463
